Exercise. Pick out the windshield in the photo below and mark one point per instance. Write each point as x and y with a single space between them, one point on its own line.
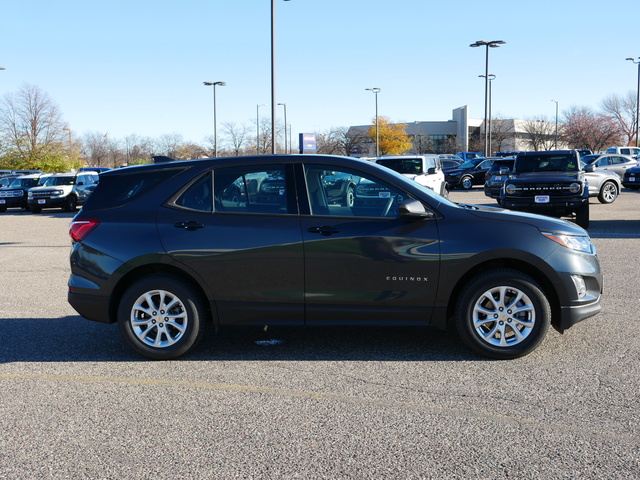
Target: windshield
53 181
403 165
24 183
546 163
471 163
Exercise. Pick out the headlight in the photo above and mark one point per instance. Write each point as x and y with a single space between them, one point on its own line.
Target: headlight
510 189
575 187
574 242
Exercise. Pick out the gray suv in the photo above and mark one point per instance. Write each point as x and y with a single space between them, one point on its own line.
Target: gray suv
62 190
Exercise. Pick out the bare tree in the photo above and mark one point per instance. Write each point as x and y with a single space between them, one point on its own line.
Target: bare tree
96 149
169 145
237 135
33 130
540 133
623 110
501 132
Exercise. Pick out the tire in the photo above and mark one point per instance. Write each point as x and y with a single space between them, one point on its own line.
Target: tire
350 197
489 325
608 192
71 204
466 182
150 330
582 216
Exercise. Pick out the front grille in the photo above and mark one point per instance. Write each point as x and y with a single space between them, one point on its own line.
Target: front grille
555 189
46 193
12 194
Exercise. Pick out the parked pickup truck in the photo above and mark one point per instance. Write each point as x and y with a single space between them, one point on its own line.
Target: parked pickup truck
550 183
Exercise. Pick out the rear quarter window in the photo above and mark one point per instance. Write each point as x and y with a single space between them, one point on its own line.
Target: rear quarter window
117 190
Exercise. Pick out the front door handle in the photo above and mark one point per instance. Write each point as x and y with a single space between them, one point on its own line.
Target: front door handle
190 225
324 230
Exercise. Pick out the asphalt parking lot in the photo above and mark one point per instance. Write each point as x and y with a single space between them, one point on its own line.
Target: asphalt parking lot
344 403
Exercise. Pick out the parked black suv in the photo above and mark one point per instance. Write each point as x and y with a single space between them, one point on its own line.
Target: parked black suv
15 194
549 182
496 176
163 249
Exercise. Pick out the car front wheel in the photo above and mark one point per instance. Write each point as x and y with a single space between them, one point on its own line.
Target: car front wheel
502 314
160 317
466 182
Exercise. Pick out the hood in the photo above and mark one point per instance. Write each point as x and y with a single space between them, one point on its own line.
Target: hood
542 222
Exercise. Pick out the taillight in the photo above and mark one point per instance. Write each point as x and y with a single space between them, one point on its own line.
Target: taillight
79 229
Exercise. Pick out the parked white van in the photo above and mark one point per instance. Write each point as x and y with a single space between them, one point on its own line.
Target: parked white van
633 151
423 169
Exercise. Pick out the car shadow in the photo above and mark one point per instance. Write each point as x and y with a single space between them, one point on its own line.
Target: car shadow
74 339
614 229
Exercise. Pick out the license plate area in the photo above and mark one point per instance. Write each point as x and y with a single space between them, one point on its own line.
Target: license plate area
541 199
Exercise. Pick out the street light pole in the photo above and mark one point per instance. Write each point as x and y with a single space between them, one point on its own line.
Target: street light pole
637 103
273 76
376 91
215 127
492 77
556 140
285 126
258 126
491 44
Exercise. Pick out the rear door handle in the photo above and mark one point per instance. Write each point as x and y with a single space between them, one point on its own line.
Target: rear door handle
190 225
324 230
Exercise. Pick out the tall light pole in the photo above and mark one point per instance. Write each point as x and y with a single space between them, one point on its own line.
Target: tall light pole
555 145
491 44
637 103
492 77
273 76
215 126
376 91
285 126
258 126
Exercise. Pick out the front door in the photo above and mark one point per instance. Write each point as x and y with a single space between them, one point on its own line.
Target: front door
364 264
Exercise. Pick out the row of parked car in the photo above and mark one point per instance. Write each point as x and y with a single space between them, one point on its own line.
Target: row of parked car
34 190
556 183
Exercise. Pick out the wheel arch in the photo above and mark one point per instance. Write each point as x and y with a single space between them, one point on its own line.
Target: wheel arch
511 263
152 269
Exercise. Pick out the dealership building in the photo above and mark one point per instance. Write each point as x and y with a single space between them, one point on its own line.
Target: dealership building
456 134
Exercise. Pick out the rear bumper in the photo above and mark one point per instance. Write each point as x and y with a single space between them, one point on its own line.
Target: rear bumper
91 307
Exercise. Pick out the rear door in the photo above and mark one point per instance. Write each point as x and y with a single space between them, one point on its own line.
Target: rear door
238 229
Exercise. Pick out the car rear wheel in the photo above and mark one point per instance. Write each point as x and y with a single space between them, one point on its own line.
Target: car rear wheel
608 192
160 317
503 314
71 204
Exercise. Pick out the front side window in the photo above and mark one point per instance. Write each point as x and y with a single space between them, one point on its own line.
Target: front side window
350 193
253 189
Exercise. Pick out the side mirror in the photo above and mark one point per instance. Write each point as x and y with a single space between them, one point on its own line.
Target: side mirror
431 171
413 209
590 168
504 170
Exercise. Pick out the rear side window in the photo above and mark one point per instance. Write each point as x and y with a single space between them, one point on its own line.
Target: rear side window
254 189
118 190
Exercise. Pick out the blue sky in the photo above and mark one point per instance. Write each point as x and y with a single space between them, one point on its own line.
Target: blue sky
137 66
